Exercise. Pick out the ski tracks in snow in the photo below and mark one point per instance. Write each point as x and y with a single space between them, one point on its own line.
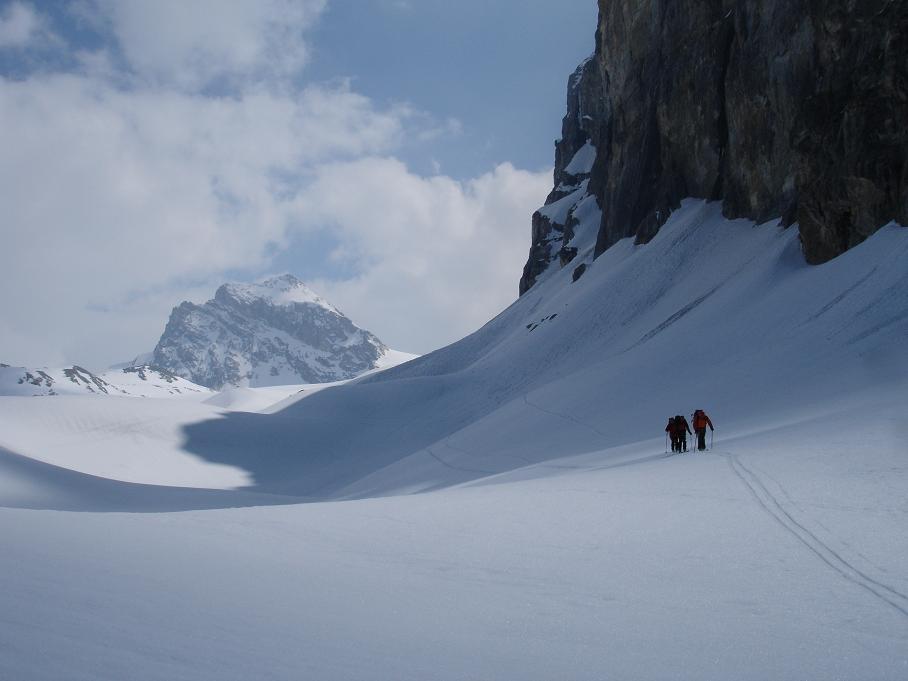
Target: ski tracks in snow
454 467
566 417
783 515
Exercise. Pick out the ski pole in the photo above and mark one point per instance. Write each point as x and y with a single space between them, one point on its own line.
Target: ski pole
712 431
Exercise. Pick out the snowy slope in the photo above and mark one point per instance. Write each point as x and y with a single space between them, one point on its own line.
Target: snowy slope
748 332
558 540
136 441
775 556
269 399
131 440
148 381
266 399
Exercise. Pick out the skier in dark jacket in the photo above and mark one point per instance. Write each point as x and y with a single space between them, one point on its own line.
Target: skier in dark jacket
683 430
677 430
672 431
701 420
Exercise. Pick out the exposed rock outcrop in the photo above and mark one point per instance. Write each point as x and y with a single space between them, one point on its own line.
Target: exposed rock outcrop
784 108
575 156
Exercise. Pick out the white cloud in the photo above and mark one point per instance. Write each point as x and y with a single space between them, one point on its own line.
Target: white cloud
437 258
19 26
452 127
126 192
191 44
107 192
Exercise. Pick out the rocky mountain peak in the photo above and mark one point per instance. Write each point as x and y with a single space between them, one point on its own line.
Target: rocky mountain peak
282 290
276 331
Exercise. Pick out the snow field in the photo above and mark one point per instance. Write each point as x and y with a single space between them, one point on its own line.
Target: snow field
665 568
131 440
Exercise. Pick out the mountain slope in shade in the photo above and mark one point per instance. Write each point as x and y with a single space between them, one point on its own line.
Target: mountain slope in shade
274 332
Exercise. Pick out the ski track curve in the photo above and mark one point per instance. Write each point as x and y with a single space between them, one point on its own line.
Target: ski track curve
447 443
461 469
565 417
774 508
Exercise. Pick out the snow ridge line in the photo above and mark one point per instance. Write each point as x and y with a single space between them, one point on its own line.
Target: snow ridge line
823 551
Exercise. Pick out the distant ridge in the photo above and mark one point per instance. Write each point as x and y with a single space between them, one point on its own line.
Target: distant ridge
135 381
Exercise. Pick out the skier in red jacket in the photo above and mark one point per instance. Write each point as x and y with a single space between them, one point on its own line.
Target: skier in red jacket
701 420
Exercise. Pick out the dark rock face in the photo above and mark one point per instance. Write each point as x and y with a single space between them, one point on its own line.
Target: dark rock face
782 108
78 375
272 333
540 251
852 138
586 106
146 372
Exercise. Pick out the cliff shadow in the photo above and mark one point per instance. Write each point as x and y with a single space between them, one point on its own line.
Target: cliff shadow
317 446
30 484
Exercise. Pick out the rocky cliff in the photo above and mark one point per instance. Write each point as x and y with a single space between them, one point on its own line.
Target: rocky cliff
275 332
791 109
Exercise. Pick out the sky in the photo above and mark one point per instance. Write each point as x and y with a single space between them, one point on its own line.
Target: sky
389 153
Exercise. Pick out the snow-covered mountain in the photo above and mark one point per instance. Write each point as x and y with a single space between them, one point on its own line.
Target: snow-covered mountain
132 381
274 332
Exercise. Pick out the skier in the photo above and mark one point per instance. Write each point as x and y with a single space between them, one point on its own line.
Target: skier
677 430
701 420
672 431
683 429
